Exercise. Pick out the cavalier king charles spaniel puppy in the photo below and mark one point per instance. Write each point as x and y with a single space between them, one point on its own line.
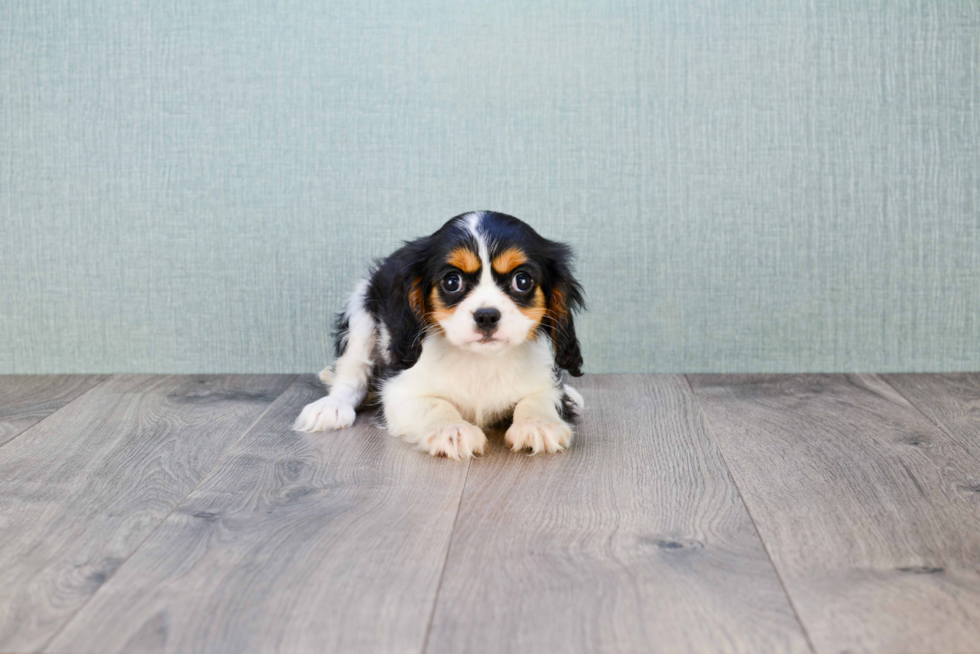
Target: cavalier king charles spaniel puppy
457 332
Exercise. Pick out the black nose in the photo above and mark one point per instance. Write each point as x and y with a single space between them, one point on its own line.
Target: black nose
486 319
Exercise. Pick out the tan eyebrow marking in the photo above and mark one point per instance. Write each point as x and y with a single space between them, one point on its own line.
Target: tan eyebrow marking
464 259
507 260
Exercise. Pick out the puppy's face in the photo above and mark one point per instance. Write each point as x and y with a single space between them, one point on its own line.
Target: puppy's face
489 283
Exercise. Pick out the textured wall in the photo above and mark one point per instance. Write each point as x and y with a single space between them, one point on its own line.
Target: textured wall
765 185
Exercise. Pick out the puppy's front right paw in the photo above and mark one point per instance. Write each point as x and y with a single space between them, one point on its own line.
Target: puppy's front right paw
324 415
456 441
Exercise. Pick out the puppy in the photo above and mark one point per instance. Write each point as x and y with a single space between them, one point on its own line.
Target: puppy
459 331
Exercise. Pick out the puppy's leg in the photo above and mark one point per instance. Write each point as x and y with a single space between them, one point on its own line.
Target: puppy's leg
538 425
351 372
434 425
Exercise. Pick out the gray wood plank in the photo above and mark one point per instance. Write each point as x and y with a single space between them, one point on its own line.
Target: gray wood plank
81 489
863 504
952 401
295 543
27 399
635 540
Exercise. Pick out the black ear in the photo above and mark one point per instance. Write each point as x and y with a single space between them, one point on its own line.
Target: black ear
407 306
564 299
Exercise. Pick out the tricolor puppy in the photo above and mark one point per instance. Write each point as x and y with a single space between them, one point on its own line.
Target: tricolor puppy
459 331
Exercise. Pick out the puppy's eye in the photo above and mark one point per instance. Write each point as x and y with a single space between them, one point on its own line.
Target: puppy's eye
452 283
522 282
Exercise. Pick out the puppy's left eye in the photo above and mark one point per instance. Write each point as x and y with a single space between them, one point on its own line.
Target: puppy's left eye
522 282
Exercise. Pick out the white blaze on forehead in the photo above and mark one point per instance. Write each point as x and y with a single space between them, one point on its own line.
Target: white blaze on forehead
472 224
486 290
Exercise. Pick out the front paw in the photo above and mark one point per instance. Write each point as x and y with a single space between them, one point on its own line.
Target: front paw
538 436
456 441
324 415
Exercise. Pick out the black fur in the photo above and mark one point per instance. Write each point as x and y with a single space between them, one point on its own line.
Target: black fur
420 265
568 409
341 331
568 354
388 301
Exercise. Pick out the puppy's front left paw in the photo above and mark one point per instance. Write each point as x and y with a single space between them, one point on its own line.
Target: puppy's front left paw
324 415
456 441
538 436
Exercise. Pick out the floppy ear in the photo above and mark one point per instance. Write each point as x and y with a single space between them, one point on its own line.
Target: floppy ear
565 298
408 306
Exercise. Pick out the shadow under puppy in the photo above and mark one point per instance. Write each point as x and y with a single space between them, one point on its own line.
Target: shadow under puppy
456 332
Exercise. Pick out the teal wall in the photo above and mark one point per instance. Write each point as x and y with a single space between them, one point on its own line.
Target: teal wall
751 186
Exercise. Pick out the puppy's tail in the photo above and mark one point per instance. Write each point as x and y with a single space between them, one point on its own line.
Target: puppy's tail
577 401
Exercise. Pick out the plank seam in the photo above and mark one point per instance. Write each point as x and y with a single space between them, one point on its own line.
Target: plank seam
445 561
748 511
60 409
169 513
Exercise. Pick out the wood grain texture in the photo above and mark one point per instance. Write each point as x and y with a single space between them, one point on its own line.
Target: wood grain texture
952 401
81 490
329 542
27 399
866 507
635 540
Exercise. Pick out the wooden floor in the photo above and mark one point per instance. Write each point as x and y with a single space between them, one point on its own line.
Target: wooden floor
821 513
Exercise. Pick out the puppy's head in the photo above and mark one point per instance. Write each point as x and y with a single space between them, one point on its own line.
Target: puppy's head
489 282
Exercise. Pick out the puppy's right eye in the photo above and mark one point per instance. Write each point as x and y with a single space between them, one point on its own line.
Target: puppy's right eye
452 283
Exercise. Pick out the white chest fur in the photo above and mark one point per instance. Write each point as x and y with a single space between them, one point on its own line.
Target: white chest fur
482 387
